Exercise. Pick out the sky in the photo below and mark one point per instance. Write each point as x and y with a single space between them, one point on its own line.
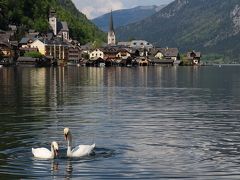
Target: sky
95 8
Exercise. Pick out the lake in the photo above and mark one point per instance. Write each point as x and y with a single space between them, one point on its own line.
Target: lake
147 122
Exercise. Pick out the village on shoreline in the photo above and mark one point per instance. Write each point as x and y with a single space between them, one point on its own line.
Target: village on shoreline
56 48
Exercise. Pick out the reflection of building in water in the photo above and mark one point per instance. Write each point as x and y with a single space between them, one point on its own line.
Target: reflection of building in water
95 76
8 86
34 85
7 79
112 76
38 86
62 78
160 76
192 77
143 76
56 85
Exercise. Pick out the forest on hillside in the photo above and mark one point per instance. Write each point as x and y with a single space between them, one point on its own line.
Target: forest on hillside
33 14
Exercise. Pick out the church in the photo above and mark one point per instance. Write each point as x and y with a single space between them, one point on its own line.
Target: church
111 32
60 29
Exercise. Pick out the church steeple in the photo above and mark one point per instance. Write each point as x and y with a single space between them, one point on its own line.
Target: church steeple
111 28
111 33
53 20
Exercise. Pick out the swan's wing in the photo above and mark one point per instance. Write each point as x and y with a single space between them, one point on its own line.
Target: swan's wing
82 150
41 153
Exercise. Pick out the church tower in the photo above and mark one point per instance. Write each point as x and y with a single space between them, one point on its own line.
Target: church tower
111 33
53 21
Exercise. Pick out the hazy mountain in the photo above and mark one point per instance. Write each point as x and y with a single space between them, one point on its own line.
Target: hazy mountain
211 26
126 16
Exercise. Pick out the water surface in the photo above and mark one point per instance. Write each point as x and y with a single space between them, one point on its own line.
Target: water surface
147 122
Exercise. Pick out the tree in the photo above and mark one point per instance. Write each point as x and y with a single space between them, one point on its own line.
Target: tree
33 54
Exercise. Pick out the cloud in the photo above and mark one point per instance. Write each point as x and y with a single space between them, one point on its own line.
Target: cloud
94 8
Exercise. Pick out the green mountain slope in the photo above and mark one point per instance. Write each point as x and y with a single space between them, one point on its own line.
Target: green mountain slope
211 26
34 14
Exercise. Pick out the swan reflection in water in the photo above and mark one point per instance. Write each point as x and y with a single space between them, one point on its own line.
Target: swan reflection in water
54 166
69 169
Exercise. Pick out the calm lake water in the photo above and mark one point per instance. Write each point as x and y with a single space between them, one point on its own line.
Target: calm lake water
147 122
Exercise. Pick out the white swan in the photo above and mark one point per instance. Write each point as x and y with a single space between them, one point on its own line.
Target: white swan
79 151
44 153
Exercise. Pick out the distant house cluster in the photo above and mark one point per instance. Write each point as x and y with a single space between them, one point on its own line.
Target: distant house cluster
137 52
57 48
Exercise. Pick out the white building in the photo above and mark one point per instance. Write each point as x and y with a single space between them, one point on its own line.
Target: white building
40 45
97 53
55 48
123 54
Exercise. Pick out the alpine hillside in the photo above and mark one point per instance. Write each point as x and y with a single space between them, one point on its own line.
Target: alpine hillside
126 16
33 14
210 26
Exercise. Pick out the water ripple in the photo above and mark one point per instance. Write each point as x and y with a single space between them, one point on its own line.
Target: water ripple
147 123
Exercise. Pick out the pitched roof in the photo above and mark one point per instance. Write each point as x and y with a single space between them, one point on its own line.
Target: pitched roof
193 54
2 44
171 52
161 61
56 41
25 40
49 36
12 27
62 26
29 48
26 59
122 43
5 36
109 49
86 46
167 52
14 43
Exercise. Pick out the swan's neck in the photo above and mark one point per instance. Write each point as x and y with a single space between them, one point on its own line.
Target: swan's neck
52 151
69 148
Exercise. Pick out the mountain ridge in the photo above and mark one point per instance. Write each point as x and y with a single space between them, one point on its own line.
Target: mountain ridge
126 16
209 26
